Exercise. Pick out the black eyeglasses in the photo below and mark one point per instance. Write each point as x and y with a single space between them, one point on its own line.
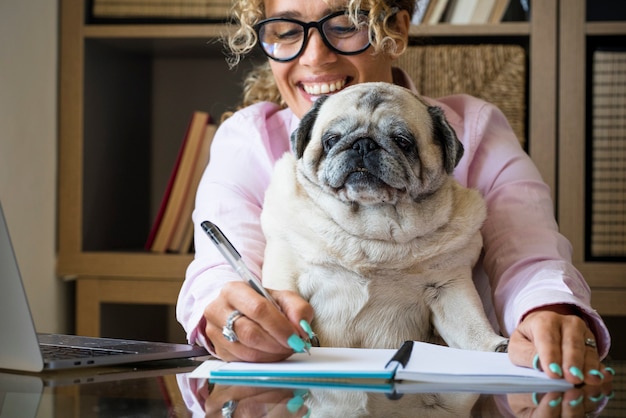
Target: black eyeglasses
284 39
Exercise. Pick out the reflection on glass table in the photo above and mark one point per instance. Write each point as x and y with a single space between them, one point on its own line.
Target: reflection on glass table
165 390
317 399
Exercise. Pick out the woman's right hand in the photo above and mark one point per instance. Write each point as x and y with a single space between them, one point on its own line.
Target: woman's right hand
264 334
249 401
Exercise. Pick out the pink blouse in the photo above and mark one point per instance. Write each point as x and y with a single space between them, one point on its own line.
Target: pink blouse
526 262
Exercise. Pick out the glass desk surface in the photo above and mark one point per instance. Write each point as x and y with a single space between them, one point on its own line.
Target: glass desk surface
164 389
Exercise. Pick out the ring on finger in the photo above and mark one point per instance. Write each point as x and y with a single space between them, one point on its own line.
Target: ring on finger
227 330
228 409
590 342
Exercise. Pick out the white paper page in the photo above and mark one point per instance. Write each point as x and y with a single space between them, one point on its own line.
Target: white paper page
324 362
438 363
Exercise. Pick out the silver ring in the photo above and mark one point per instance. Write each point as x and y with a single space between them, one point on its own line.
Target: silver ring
228 331
503 347
228 409
590 342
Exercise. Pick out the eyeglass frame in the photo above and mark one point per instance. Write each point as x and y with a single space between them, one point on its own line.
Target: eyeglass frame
305 37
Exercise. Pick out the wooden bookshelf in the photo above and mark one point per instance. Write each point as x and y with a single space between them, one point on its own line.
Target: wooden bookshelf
126 93
607 278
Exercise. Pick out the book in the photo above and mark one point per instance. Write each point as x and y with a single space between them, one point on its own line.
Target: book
421 6
183 230
177 187
407 369
435 11
499 8
164 199
482 11
460 12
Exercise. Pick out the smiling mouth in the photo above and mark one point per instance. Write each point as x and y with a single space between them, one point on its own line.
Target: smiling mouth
324 88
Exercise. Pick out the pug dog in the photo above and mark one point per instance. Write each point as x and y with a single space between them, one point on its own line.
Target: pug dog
365 221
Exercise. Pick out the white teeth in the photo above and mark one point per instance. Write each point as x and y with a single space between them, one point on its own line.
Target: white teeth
324 88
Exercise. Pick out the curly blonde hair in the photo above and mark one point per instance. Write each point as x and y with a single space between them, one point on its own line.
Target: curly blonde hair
260 85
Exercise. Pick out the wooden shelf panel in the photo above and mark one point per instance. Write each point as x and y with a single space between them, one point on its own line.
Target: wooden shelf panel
447 30
155 31
606 28
124 264
219 30
609 301
603 274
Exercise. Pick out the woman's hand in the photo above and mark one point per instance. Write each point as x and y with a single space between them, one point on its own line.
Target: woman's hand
263 332
248 401
577 402
563 343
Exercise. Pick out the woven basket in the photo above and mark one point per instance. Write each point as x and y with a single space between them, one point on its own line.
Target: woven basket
495 73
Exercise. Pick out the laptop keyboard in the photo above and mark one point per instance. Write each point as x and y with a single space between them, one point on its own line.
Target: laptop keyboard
60 352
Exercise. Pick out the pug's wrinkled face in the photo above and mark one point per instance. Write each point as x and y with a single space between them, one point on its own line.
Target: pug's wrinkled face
376 143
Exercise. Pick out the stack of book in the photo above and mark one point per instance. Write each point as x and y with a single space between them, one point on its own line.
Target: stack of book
608 138
161 9
172 230
432 12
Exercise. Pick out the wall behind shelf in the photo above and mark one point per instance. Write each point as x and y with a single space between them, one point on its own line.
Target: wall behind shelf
180 86
28 151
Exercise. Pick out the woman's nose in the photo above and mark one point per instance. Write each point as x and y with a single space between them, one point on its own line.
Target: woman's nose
316 52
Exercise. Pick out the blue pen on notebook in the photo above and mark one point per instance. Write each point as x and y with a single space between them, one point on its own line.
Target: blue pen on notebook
234 259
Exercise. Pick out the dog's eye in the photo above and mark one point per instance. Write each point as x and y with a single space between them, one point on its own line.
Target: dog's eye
330 140
405 142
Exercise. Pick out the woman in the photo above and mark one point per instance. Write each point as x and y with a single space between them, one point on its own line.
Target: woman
528 285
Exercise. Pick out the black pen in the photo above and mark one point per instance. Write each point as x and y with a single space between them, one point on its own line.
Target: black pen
234 259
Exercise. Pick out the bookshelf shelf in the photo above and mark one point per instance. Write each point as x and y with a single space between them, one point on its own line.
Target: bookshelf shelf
606 276
605 28
126 265
165 31
213 31
447 30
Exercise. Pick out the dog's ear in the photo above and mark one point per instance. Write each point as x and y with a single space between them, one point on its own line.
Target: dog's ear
302 135
450 144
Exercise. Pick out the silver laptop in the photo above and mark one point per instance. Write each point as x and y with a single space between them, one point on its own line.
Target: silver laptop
21 348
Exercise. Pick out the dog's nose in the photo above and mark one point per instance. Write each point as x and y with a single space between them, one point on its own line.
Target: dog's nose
365 145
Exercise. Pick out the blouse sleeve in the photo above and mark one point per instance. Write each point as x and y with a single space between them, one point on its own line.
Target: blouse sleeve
230 194
527 260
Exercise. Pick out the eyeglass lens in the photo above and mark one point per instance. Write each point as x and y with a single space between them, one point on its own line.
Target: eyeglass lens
284 39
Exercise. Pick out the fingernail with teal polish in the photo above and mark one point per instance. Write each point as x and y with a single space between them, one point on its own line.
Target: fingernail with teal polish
536 362
610 395
610 370
303 393
598 373
576 372
294 404
596 398
296 343
556 369
576 402
307 328
555 402
535 398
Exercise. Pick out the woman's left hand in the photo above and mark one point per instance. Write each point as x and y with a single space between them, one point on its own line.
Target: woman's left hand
564 344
